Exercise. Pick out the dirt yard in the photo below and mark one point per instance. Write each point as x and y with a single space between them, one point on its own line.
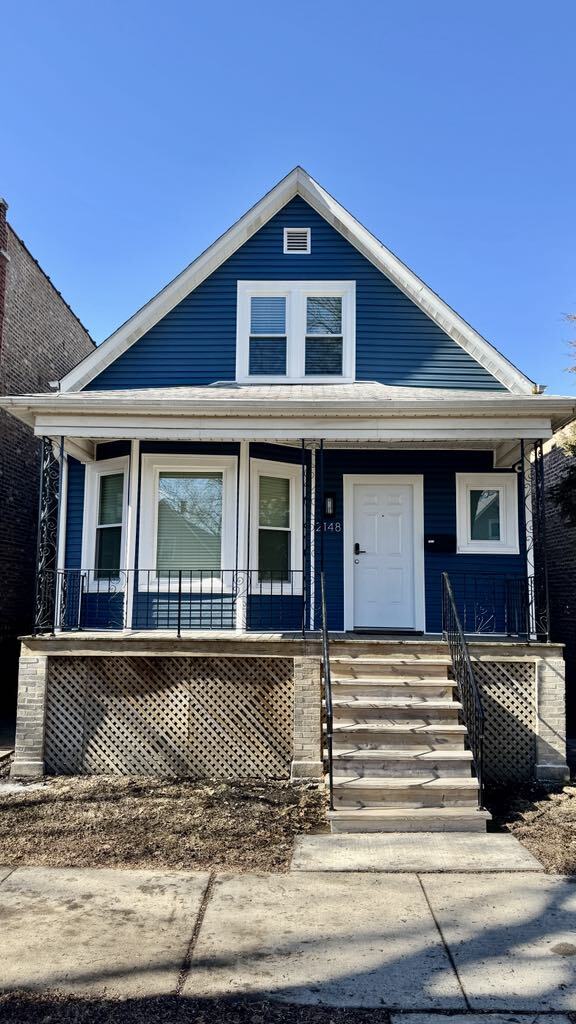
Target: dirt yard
29 1009
544 820
102 821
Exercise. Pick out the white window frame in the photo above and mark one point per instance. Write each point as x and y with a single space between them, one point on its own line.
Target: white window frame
94 473
297 252
286 471
296 293
152 466
507 486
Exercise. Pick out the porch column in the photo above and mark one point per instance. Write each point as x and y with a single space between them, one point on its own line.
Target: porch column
31 714
48 522
307 735
242 581
131 530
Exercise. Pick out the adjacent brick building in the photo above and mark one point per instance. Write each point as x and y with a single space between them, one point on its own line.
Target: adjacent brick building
561 546
40 340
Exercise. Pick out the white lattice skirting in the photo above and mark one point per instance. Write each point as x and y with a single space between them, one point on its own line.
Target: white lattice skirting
201 717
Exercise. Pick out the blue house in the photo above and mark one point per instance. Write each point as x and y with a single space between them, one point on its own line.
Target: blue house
297 478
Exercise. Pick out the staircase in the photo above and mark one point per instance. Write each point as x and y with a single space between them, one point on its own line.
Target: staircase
399 759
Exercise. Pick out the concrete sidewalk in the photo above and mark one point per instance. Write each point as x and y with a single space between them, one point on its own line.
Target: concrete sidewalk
460 942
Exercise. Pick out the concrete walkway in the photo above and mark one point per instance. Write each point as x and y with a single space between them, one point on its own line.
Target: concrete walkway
430 852
460 942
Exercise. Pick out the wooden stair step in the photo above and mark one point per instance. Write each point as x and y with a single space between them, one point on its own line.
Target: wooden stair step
404 754
409 819
434 703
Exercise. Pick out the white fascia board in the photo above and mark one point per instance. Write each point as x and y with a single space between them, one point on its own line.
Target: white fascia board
299 182
490 429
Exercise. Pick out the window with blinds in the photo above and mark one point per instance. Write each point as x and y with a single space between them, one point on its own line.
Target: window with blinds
268 335
109 526
323 335
274 532
189 531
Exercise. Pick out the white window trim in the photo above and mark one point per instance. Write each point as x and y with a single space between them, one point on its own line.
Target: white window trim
293 473
152 466
296 293
507 486
94 473
297 252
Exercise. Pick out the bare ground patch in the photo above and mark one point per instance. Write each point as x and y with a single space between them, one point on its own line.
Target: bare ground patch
102 821
46 1009
543 819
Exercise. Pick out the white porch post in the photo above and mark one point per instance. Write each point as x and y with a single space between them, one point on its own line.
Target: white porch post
242 567
131 529
312 545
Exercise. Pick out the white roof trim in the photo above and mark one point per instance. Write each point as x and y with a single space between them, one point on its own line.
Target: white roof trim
299 182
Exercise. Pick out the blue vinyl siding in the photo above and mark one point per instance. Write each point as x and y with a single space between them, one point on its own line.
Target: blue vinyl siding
438 469
195 344
74 514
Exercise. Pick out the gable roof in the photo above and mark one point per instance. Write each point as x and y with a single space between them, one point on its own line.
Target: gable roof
300 183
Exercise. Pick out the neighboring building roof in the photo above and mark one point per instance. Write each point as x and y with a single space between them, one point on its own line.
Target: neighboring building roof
299 182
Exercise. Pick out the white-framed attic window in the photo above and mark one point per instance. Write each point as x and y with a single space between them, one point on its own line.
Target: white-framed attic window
104 524
296 331
487 513
297 241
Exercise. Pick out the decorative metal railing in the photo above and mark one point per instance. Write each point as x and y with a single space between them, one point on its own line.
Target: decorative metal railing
468 692
175 600
327 678
502 604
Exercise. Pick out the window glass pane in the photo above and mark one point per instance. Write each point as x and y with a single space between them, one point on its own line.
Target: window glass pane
274 501
268 356
110 500
324 356
108 552
324 315
273 555
268 314
189 521
485 515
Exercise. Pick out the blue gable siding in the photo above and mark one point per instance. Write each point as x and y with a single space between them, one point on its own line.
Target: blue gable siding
195 344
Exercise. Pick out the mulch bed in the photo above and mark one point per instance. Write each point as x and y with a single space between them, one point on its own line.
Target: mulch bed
102 821
41 1009
543 819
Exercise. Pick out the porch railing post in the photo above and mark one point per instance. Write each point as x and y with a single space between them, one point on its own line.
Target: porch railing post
180 601
47 577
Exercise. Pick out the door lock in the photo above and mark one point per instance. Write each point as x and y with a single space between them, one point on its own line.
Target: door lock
358 550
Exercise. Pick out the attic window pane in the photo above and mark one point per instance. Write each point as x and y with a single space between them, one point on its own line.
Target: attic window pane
189 522
324 315
268 315
268 356
324 336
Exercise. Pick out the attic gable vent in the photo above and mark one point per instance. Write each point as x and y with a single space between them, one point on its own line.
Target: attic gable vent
296 240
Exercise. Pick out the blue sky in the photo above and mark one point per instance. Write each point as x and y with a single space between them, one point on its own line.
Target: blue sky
133 133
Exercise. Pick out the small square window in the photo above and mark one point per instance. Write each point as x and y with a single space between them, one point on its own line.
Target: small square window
487 513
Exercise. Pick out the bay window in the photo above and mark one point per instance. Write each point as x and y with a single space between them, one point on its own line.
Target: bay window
276 528
104 526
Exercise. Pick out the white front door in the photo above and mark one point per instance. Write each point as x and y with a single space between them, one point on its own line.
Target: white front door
383 574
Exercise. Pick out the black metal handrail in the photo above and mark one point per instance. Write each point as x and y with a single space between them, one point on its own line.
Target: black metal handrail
327 690
468 692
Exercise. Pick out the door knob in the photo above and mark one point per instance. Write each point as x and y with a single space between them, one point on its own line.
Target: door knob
358 550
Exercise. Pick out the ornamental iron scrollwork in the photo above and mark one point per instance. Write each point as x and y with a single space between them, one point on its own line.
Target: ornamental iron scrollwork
46 587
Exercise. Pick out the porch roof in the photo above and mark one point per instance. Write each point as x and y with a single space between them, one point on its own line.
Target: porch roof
368 399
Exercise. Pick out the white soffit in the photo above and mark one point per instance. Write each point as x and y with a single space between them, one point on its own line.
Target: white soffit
299 182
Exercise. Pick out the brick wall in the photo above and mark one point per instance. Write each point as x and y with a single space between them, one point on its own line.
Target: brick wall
40 340
561 545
